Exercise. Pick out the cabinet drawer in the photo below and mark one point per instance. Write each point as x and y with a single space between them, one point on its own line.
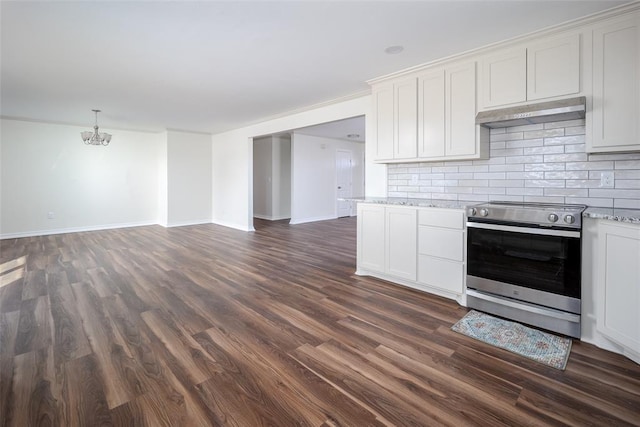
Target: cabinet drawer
441 243
440 273
441 218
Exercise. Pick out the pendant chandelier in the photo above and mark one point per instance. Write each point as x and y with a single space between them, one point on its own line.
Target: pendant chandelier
95 137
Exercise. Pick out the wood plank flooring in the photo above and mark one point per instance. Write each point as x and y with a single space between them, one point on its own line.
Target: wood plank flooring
204 325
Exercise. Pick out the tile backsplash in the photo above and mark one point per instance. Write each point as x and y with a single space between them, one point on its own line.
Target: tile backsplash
532 163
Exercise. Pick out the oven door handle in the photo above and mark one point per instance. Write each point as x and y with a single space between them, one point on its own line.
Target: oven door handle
527 230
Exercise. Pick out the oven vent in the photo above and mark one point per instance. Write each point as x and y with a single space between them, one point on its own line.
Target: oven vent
544 112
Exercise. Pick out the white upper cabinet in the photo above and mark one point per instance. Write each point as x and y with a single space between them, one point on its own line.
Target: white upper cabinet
504 78
431 118
395 121
460 112
546 69
553 68
615 124
446 115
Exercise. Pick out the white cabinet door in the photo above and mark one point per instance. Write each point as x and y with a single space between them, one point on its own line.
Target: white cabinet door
371 237
553 68
431 107
401 242
441 273
616 87
504 78
383 121
618 283
460 113
406 119
441 243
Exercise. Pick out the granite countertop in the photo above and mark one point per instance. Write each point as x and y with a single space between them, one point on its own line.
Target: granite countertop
422 203
622 215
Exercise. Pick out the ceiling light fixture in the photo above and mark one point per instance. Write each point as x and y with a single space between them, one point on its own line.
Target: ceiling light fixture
95 137
394 50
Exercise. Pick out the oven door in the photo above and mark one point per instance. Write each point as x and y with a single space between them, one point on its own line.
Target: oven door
542 264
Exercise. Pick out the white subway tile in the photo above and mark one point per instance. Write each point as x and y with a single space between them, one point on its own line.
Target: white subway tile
506 183
545 183
444 169
453 175
589 166
474 168
459 190
564 124
583 183
564 158
546 133
432 189
507 168
397 194
444 182
627 164
567 175
424 182
524 128
491 161
525 175
614 156
539 142
525 191
447 196
488 190
566 192
627 203
508 152
632 184
495 131
489 175
574 148
506 136
500 145
525 159
474 182
432 176
509 198
546 199
476 197
565 140
575 130
615 193
460 163
419 195
550 149
408 188
590 201
627 174
544 167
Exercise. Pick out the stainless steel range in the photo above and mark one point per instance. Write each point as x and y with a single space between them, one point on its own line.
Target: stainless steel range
523 263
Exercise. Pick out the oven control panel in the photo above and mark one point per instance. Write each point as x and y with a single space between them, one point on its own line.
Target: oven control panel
547 214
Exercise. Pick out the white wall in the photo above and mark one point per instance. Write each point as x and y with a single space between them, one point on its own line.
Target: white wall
263 177
188 178
282 177
47 168
233 154
314 186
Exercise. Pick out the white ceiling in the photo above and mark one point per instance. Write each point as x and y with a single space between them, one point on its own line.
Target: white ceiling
214 66
352 129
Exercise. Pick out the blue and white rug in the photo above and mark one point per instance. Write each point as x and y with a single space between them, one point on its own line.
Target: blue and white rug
540 346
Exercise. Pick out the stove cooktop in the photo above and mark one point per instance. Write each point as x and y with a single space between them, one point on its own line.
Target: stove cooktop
542 214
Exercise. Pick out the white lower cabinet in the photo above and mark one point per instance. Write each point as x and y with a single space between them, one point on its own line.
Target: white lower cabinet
423 248
611 286
618 283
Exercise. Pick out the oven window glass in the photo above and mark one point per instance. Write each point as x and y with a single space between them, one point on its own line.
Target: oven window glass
546 263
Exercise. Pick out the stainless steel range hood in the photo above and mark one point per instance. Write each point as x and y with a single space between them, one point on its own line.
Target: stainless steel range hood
552 111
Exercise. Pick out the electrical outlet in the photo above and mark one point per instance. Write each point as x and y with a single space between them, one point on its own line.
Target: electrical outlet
606 179
51 215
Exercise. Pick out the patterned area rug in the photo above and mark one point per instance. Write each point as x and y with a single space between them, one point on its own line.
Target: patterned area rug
540 346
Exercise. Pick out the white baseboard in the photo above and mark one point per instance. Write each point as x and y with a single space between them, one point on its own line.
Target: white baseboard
270 218
75 229
191 222
314 219
233 225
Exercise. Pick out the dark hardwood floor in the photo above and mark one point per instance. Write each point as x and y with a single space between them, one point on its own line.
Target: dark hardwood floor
204 325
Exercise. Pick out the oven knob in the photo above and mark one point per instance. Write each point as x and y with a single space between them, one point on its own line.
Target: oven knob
484 212
471 211
569 219
553 217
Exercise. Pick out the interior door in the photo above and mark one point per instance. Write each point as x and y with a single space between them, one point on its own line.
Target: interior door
343 182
